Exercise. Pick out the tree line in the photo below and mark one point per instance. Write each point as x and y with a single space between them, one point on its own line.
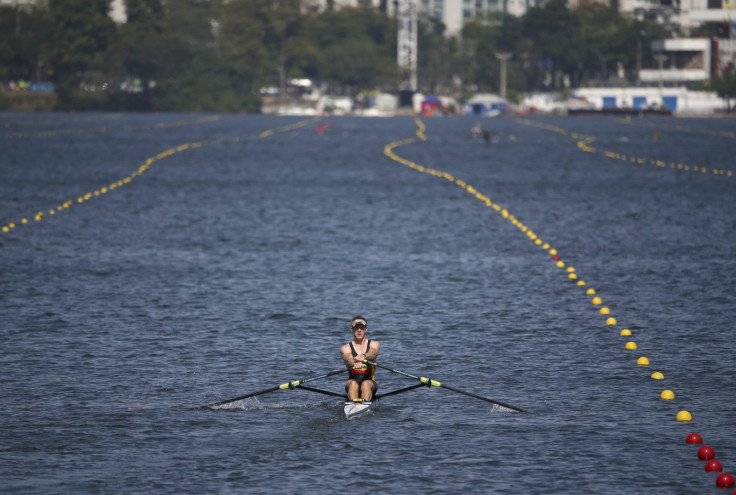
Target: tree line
214 55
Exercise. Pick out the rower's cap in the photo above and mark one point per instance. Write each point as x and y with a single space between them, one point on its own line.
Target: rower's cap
358 320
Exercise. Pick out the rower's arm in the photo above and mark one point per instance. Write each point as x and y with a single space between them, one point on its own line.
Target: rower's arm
372 353
347 356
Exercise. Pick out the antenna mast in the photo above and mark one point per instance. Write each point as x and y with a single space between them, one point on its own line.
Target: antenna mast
406 14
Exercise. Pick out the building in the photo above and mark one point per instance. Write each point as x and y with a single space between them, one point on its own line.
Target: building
454 13
679 60
317 6
721 15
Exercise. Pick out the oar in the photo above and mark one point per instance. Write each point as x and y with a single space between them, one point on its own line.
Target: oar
292 384
399 391
435 383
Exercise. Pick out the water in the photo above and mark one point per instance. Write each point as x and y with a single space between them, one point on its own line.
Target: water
236 265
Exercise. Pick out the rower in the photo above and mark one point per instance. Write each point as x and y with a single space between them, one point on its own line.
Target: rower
361 383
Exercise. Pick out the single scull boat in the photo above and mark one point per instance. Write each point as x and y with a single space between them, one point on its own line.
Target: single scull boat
357 408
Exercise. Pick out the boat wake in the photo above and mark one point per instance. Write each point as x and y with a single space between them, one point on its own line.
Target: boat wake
252 403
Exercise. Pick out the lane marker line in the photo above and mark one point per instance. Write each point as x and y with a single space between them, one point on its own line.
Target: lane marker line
572 275
82 198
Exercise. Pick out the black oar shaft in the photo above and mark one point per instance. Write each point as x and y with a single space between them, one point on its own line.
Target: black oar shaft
399 391
435 383
292 384
470 394
323 392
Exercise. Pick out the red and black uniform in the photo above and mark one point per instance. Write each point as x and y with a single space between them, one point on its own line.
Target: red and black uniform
361 374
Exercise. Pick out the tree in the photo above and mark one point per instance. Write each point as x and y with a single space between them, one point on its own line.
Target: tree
24 45
481 40
554 34
255 32
725 86
357 47
81 31
141 40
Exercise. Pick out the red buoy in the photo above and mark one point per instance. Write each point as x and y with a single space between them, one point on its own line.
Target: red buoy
705 453
724 480
713 465
694 438
556 258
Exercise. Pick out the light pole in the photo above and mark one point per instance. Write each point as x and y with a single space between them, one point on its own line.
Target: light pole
638 56
503 57
406 14
660 58
603 63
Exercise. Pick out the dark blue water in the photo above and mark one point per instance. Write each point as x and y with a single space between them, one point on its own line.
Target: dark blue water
235 265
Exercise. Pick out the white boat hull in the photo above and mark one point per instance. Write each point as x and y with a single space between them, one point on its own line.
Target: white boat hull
358 408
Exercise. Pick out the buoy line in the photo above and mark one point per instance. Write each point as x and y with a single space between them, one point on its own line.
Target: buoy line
682 128
127 128
724 480
82 198
36 123
584 144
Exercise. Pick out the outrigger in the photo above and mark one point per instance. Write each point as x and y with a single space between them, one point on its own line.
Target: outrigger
356 408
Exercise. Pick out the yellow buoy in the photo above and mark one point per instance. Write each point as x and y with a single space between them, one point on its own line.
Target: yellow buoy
597 301
605 311
553 252
590 292
684 416
657 375
560 264
667 394
611 321
570 269
642 361
581 283
625 332
631 345
572 276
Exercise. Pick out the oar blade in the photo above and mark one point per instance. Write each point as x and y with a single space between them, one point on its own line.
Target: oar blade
470 394
236 399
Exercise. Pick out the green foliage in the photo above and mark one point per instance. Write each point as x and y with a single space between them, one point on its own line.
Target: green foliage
213 55
725 86
254 32
354 48
80 32
23 50
210 83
